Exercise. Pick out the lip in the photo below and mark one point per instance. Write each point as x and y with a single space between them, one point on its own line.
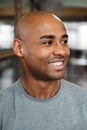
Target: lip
57 65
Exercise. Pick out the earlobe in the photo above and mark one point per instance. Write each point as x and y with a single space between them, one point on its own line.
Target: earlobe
18 47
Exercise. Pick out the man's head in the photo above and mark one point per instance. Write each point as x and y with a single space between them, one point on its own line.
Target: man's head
41 41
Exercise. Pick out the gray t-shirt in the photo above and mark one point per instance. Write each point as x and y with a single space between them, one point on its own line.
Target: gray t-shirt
67 110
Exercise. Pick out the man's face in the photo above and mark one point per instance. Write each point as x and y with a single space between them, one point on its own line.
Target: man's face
46 50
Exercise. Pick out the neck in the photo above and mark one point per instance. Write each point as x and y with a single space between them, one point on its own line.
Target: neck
40 89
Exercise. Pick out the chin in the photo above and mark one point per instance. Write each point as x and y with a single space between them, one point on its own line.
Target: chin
58 76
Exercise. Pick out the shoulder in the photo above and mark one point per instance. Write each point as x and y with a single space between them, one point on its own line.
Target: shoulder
7 94
73 86
7 102
74 90
7 99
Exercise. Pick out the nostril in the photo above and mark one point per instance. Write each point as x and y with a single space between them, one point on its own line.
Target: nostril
59 51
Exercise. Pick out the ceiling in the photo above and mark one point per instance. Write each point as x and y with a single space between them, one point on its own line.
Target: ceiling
63 8
73 3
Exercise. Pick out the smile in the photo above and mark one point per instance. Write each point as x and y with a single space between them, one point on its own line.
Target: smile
57 63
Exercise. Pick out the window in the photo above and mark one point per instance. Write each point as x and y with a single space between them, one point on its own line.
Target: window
6 36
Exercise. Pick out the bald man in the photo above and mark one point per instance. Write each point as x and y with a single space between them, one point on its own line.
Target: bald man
41 99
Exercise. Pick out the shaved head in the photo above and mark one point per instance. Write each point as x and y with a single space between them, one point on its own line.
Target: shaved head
40 40
28 22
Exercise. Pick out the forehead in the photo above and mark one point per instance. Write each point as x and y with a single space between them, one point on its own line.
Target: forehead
40 23
49 27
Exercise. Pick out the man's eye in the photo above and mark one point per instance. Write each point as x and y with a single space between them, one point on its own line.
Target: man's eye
48 42
64 42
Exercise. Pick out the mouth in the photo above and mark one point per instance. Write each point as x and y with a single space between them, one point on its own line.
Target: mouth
58 65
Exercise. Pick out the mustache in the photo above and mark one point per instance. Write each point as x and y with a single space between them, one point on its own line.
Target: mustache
56 58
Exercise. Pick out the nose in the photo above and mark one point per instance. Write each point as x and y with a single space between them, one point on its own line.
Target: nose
59 49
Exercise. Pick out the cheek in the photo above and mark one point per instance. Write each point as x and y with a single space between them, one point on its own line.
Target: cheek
36 54
35 57
32 57
41 53
67 52
29 55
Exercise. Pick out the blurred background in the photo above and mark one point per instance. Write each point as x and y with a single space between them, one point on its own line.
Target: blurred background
74 15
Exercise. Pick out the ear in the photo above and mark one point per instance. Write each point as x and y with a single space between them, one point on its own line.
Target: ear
18 47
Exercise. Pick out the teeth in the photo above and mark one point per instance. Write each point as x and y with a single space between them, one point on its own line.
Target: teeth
57 63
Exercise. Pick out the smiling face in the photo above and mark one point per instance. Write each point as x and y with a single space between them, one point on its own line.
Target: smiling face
45 48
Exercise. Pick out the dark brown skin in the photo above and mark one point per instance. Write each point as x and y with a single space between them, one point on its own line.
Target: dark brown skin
41 42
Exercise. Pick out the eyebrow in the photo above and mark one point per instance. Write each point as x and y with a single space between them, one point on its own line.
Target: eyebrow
52 36
47 36
65 36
